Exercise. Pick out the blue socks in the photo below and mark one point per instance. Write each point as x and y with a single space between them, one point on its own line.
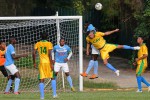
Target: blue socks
8 85
128 47
70 81
138 78
96 67
41 87
144 81
111 67
53 85
91 64
17 82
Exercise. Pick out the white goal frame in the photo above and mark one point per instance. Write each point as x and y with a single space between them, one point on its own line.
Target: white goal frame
57 18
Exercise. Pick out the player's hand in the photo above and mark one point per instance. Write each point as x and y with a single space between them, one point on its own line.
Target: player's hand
24 55
134 64
136 59
34 65
116 30
87 53
66 60
52 67
53 61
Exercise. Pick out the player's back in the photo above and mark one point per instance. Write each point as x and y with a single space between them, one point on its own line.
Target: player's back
43 48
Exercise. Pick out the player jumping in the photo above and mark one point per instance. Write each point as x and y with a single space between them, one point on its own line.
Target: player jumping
141 63
46 65
62 54
97 40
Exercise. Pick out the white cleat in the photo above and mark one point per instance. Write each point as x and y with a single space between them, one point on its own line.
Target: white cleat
139 91
117 72
149 89
136 48
55 96
41 98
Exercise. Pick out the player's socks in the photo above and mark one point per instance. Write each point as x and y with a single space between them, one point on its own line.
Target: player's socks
139 83
111 67
41 88
91 64
17 82
128 47
53 85
96 67
144 81
70 81
8 85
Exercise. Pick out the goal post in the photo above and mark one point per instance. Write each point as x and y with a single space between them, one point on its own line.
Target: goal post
27 32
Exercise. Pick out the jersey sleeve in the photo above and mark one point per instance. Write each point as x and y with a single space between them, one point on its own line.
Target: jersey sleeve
12 50
36 46
87 40
144 50
69 49
100 33
50 46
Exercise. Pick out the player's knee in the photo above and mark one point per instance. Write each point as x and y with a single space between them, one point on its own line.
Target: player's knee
120 46
56 73
105 62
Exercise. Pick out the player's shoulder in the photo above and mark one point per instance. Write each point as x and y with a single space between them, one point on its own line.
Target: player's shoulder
67 46
143 46
99 32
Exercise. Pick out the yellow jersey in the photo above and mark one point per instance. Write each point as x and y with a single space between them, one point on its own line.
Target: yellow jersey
143 50
43 47
98 41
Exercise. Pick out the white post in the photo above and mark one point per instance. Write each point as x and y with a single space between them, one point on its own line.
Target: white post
80 55
58 39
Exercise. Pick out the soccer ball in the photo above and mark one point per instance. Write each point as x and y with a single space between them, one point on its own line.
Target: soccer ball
98 6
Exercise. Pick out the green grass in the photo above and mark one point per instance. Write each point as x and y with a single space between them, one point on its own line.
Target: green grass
106 85
96 95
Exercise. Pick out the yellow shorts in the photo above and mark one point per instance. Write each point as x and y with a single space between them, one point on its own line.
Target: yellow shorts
106 50
140 68
45 71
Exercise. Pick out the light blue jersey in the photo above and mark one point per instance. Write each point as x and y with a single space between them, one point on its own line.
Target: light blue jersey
8 55
61 53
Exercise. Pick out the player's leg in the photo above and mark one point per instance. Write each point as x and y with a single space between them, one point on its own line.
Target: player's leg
57 67
105 56
90 65
53 85
128 47
69 79
41 88
95 75
138 77
12 70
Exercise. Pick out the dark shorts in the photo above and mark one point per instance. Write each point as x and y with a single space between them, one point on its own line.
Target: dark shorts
3 70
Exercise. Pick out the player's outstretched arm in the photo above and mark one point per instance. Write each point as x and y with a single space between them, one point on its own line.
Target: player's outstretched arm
110 32
18 56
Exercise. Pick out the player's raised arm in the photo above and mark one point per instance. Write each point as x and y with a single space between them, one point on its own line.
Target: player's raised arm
110 32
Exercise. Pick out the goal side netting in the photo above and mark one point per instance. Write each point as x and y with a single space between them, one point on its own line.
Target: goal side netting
27 32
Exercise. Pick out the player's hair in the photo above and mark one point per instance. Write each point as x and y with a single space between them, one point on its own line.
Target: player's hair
62 39
43 36
11 38
143 37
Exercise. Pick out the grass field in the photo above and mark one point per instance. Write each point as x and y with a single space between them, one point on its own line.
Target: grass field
92 95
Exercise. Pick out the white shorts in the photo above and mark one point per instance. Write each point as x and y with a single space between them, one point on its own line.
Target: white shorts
11 69
64 67
94 50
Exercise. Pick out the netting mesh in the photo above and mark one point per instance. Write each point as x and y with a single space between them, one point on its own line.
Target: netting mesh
27 33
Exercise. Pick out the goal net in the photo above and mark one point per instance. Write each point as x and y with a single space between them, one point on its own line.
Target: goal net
27 32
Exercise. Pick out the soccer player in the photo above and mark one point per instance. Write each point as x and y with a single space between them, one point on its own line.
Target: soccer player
141 63
45 65
97 40
2 61
10 67
93 62
62 54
